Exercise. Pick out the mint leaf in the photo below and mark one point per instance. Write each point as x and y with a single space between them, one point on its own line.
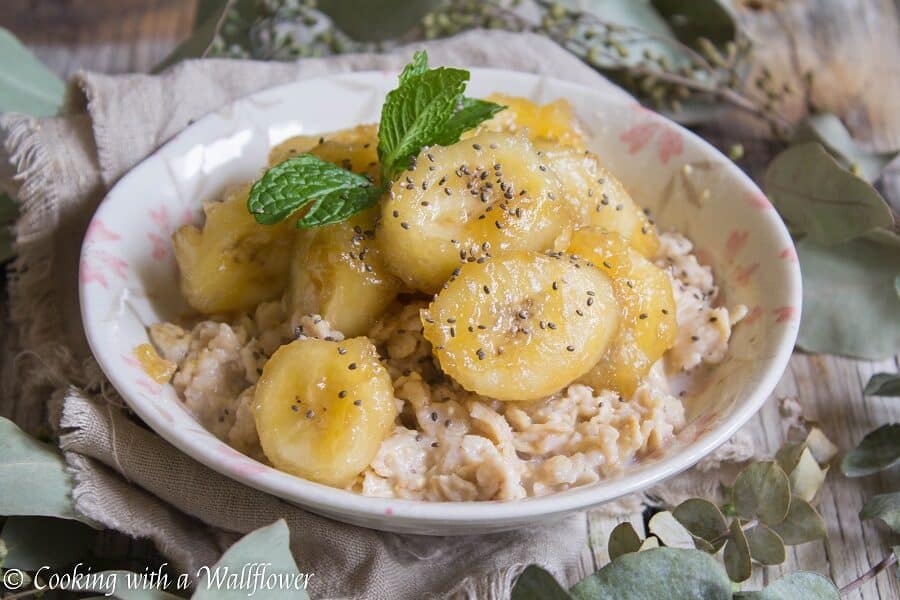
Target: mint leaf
302 180
338 206
415 113
417 66
470 113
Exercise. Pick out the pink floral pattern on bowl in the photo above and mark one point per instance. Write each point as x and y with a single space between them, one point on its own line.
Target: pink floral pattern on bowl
128 277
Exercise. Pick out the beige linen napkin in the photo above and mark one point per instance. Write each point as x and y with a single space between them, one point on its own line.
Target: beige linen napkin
127 477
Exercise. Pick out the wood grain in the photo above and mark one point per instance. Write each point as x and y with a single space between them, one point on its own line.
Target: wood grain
852 48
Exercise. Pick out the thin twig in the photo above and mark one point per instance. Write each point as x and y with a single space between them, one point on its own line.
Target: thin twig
885 563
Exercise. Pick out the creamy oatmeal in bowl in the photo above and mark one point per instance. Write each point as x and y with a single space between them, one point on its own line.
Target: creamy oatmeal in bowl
533 312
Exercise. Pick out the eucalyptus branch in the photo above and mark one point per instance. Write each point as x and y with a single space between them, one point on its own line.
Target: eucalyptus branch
886 563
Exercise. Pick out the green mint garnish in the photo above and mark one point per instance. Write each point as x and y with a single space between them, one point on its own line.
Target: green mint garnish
335 193
428 107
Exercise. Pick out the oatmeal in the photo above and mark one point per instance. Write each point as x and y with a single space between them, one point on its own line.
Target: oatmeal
500 323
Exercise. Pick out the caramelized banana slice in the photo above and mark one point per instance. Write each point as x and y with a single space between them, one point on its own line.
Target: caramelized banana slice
232 263
338 272
323 408
599 199
466 201
644 292
358 145
553 122
522 325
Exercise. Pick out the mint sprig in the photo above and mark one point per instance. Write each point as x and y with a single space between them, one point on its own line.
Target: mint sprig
307 179
428 107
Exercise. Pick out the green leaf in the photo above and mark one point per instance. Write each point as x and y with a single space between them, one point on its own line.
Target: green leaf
885 507
374 21
271 542
849 303
762 491
670 532
702 518
302 180
737 554
537 584
822 200
198 45
802 524
883 384
417 66
23 458
788 456
33 542
709 19
26 85
471 112
828 130
800 585
657 574
879 450
622 540
338 206
415 113
766 546
807 476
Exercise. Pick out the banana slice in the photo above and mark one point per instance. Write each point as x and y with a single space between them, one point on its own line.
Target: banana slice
522 325
599 199
464 202
644 292
233 263
357 145
338 272
323 408
553 122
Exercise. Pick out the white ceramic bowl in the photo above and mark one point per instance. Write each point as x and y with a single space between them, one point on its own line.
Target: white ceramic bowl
128 276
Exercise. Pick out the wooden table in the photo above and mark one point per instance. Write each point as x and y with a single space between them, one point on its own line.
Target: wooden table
133 35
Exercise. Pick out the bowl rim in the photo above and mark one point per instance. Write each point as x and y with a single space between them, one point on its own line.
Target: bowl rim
321 498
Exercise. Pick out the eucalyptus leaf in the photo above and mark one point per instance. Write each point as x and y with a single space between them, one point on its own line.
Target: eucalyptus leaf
879 450
622 540
885 507
33 542
800 585
883 384
822 200
828 130
670 532
26 85
737 554
807 476
643 23
849 303
802 524
272 542
376 21
199 44
657 574
788 455
23 458
689 21
702 518
537 584
762 491
766 546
